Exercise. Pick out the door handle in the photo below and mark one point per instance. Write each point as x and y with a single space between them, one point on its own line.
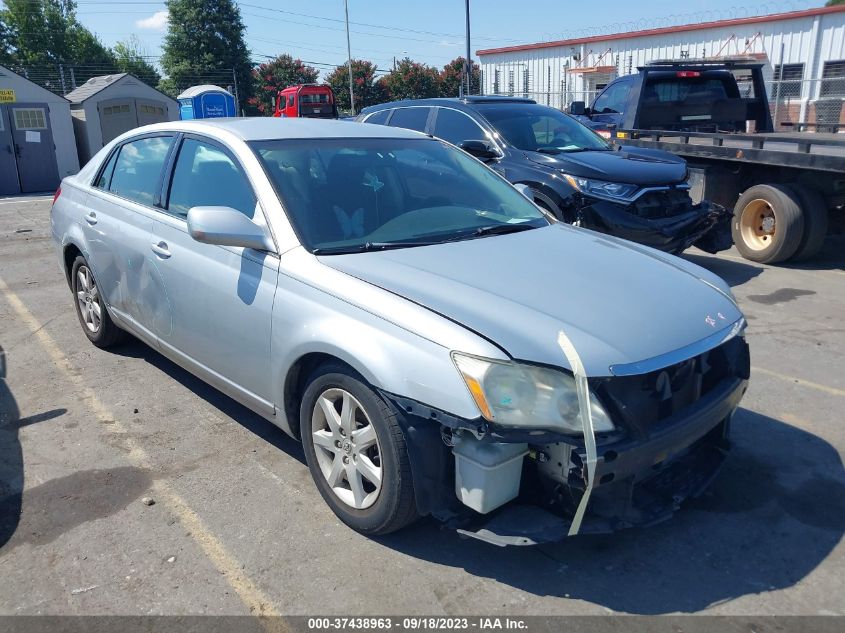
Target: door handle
160 249
91 218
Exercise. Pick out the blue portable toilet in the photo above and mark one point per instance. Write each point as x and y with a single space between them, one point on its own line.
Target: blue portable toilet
206 102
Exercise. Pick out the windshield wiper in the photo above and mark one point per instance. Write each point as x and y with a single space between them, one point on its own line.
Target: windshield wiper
367 247
493 229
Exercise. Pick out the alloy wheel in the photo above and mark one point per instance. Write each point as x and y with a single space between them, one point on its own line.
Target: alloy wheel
88 297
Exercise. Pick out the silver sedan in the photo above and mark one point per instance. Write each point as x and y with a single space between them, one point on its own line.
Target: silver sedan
439 344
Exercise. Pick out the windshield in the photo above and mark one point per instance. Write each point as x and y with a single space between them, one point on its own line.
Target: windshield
349 195
537 128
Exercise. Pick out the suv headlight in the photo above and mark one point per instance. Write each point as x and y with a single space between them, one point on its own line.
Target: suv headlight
615 191
512 394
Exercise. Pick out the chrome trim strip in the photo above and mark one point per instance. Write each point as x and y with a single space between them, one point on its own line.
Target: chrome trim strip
679 355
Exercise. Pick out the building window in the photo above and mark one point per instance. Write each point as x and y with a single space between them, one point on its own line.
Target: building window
833 79
30 119
787 81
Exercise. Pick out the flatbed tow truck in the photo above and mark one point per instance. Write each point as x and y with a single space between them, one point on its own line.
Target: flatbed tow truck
787 189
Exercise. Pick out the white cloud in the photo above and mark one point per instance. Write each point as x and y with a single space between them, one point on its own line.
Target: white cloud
156 22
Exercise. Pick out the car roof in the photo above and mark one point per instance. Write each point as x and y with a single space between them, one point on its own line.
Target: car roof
447 101
270 128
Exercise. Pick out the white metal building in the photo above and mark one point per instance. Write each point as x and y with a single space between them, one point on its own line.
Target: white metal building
105 107
805 51
37 147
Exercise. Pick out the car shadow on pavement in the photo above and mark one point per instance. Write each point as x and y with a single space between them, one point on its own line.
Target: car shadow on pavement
11 459
248 419
775 512
733 272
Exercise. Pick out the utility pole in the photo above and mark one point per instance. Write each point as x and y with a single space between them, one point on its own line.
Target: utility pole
467 62
349 54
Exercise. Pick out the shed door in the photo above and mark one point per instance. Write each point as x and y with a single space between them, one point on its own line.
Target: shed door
9 184
151 111
116 117
34 147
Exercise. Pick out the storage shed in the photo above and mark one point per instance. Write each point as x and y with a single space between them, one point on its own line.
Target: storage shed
206 102
37 147
105 107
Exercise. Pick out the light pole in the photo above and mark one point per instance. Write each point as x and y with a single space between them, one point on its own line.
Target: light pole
467 62
349 54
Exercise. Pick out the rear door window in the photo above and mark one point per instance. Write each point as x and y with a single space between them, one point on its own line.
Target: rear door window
410 118
137 170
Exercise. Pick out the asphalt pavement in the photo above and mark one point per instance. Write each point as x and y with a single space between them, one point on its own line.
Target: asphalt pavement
89 437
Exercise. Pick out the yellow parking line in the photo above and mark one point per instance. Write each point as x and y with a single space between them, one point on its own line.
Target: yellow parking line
799 381
255 600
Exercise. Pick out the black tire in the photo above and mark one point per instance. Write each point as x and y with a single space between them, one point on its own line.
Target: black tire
106 333
394 506
782 212
815 222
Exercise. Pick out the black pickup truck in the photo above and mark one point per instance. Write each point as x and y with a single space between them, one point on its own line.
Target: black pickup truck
787 189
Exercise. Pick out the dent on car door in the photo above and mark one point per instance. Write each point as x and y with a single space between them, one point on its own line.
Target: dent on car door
117 224
221 296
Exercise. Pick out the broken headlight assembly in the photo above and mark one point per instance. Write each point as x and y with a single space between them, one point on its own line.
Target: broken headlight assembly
526 396
613 191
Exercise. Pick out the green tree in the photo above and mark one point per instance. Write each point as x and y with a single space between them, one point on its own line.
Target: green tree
205 44
275 75
452 77
412 80
831 3
368 91
130 58
7 51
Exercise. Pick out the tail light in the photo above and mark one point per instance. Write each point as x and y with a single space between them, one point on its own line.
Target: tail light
57 194
688 73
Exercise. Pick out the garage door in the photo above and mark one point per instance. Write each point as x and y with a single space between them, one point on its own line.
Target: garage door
116 117
150 111
34 149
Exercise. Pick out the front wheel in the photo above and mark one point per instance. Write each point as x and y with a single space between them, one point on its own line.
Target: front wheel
356 452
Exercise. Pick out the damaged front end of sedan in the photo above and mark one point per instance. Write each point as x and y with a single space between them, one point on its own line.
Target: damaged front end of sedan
545 461
662 217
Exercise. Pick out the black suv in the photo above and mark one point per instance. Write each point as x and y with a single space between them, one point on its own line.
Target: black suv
638 194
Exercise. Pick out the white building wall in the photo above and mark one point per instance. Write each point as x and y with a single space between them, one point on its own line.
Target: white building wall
810 40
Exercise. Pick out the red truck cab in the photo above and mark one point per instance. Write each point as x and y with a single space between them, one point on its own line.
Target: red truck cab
306 100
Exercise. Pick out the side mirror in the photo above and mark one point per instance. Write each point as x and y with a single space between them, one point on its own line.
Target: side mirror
525 190
226 226
578 108
480 149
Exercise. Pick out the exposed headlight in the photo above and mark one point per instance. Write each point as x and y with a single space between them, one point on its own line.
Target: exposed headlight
511 394
616 191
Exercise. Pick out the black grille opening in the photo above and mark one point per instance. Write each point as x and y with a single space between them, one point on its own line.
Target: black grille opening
643 401
665 203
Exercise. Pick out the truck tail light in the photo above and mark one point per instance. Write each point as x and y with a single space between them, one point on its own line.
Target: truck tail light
688 73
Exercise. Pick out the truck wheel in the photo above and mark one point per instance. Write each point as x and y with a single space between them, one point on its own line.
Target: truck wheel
815 222
356 452
768 224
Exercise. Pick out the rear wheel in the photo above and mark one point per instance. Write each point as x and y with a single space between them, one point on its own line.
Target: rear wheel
768 224
815 222
356 452
91 308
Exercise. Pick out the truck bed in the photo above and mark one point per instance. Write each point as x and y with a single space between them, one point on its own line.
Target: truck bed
806 150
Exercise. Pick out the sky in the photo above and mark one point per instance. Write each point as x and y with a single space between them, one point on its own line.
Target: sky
429 31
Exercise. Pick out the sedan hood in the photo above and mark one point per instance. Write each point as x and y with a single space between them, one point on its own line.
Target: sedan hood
618 303
629 165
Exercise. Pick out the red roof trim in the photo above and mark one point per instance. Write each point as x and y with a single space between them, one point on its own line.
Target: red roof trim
775 17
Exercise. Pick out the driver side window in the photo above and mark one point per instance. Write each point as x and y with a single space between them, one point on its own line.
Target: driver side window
612 100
